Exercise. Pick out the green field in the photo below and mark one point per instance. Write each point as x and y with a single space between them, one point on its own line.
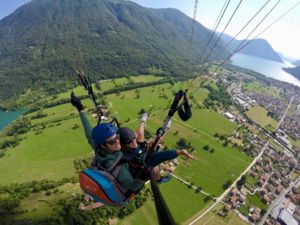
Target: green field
295 142
109 84
182 202
252 201
47 155
38 205
250 180
259 115
256 86
50 155
212 218
276 146
255 201
145 215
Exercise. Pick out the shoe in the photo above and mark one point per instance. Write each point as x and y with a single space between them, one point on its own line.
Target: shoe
164 179
144 117
169 124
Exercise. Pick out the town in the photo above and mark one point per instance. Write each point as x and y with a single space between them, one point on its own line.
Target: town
269 190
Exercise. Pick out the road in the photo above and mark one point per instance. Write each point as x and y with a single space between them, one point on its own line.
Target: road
282 118
278 199
232 185
245 171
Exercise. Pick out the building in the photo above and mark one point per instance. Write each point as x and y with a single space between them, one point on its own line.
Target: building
291 208
229 115
279 189
286 218
266 199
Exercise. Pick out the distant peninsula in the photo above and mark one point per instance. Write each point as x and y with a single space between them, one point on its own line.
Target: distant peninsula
295 71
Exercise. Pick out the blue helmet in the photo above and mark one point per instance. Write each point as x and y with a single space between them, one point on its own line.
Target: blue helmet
102 132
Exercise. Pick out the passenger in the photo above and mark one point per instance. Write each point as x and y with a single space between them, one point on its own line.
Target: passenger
105 141
135 143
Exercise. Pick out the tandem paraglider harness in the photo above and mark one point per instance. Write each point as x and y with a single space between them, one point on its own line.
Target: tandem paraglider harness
100 183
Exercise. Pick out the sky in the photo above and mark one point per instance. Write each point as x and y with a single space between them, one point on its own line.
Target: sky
284 36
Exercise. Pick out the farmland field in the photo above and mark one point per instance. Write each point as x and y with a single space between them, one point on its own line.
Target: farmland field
258 87
259 115
49 154
212 218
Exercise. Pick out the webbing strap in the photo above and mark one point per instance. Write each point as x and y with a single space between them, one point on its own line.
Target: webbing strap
163 213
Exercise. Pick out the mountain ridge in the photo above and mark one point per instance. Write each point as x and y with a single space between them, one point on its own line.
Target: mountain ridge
108 38
257 47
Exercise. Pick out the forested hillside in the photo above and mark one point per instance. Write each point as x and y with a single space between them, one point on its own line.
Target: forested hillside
42 42
295 71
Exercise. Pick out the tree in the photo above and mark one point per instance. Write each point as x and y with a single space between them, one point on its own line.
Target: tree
227 184
98 86
198 189
242 181
7 205
206 147
141 111
21 126
225 144
182 143
206 199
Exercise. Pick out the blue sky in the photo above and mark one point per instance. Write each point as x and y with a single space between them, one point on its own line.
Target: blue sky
8 6
284 36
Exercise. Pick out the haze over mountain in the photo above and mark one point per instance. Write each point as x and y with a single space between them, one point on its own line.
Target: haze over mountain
258 48
296 63
286 58
42 40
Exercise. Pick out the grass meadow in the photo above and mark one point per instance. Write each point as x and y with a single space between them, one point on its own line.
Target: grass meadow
212 218
259 115
295 142
50 154
260 88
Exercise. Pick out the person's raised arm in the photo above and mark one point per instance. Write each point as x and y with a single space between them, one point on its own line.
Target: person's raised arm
75 101
140 132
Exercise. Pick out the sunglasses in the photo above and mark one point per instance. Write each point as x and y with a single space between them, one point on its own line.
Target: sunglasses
129 142
113 141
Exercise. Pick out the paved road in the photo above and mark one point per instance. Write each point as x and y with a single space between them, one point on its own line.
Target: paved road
278 199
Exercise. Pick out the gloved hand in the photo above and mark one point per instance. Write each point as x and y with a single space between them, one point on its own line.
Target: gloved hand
144 117
76 102
169 124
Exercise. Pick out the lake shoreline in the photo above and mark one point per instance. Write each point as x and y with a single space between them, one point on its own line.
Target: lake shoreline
268 68
7 117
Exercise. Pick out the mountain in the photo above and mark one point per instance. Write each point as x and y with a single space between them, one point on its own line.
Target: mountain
295 71
42 42
258 48
296 63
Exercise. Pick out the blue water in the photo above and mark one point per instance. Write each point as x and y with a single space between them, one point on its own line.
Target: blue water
7 117
264 66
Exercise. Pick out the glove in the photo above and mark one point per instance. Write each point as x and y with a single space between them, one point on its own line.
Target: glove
144 117
169 124
76 102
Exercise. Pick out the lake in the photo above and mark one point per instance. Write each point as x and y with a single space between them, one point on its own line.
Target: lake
267 67
7 117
